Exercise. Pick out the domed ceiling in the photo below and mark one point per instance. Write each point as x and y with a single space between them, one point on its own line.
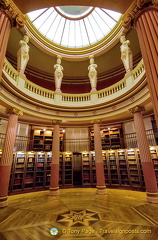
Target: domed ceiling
74 26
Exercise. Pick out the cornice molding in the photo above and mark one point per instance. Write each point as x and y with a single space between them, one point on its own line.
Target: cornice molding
15 15
134 10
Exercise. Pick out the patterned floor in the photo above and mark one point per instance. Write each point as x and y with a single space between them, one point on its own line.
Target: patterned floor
79 214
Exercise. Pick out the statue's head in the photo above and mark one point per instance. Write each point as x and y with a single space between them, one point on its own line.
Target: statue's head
26 38
91 59
122 38
59 59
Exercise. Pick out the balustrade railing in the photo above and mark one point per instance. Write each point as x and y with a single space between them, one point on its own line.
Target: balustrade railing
91 98
21 142
131 141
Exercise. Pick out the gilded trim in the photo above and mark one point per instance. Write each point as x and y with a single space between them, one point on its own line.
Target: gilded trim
134 10
16 16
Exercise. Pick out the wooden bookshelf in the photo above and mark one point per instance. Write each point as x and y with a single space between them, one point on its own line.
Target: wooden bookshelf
134 169
29 175
154 156
113 164
48 169
68 170
19 171
106 168
40 170
93 171
61 169
42 140
111 138
123 168
31 171
86 169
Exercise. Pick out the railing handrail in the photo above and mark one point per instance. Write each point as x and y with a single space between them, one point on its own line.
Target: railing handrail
85 98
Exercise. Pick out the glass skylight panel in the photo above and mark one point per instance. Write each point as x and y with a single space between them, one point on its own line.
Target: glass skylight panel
98 31
90 31
65 36
71 41
107 19
44 28
85 40
78 35
55 26
62 26
33 15
113 14
59 32
101 23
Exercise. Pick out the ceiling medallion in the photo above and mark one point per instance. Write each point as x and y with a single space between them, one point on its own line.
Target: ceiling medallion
38 109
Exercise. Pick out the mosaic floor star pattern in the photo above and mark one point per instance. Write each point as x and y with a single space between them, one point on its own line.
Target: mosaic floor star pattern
79 214
78 218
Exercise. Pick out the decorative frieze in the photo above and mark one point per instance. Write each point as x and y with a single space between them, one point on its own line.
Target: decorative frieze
16 16
134 10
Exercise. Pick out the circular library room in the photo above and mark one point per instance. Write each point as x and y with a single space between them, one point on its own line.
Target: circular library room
78 120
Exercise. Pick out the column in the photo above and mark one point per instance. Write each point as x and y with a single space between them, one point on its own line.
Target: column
145 155
101 187
54 181
7 155
10 16
143 15
5 26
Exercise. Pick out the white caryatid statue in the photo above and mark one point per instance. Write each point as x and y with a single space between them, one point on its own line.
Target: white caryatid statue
92 74
58 74
126 54
23 54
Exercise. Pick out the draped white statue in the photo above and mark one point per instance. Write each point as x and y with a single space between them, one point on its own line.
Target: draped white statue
23 54
92 74
126 54
58 74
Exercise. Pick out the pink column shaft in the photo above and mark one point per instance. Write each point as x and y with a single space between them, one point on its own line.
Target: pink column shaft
7 155
98 156
147 164
5 27
54 182
146 25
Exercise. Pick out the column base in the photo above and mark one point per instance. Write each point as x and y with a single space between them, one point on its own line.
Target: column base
58 90
3 202
93 90
101 190
152 197
54 191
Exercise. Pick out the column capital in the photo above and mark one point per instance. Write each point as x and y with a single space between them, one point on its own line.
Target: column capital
56 122
137 109
16 16
134 10
96 121
14 111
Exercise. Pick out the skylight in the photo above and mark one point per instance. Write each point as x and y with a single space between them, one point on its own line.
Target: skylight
74 26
